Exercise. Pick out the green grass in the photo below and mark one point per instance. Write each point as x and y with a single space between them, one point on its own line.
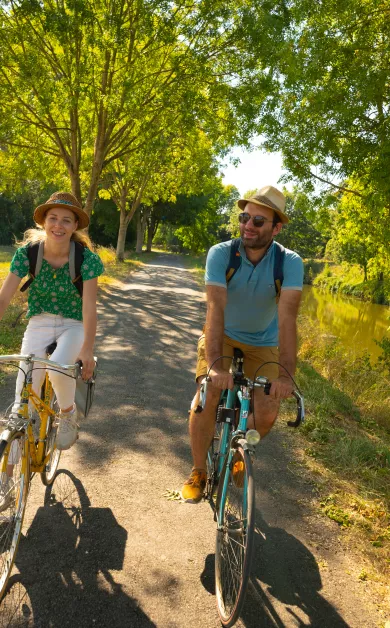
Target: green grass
196 264
347 434
349 279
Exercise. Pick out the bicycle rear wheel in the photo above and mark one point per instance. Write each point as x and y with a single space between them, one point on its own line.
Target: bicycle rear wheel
14 483
50 470
234 545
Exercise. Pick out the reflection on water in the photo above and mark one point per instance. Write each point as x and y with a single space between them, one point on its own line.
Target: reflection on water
357 323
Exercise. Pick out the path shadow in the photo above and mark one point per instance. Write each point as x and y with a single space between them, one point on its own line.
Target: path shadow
65 565
285 582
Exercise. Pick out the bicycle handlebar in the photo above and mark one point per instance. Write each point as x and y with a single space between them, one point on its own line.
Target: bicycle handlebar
30 358
263 382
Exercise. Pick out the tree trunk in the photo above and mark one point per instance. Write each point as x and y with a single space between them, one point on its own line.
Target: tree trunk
149 239
120 244
141 226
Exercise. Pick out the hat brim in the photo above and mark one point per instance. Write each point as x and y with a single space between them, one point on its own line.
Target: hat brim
243 201
40 211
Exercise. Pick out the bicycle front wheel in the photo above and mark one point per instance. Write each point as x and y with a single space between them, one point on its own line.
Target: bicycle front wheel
14 483
50 470
235 536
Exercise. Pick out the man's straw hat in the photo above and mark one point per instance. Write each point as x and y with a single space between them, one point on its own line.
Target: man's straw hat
268 197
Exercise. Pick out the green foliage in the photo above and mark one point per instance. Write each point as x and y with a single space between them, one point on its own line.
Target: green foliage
384 359
300 234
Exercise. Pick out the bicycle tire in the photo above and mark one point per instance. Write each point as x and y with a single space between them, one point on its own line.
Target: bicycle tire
234 542
12 513
49 472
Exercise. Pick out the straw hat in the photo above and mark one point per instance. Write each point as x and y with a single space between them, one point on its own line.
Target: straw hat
268 197
66 200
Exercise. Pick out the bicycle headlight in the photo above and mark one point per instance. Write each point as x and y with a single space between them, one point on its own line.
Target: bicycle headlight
252 437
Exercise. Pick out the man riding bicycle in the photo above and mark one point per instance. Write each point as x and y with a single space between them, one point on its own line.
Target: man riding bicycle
244 311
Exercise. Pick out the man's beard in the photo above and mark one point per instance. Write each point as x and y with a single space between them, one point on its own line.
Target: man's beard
262 241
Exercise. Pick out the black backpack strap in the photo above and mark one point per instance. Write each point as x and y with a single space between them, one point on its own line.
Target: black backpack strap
234 260
280 253
76 258
35 257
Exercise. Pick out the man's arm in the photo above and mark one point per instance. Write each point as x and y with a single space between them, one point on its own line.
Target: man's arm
215 318
287 314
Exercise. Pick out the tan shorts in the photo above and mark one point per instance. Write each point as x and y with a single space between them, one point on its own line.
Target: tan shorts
253 358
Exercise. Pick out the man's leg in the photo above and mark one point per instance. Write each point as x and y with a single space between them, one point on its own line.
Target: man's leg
265 413
202 426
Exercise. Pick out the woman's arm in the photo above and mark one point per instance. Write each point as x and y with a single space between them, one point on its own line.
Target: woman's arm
7 291
89 322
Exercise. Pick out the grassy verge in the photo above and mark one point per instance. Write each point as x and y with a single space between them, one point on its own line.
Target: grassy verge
195 265
349 279
347 441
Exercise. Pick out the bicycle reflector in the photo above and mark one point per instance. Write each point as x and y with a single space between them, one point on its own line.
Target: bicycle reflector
252 437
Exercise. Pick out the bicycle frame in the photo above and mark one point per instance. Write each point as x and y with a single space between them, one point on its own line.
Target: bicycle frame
38 460
228 437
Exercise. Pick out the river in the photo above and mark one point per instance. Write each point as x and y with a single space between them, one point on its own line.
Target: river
357 323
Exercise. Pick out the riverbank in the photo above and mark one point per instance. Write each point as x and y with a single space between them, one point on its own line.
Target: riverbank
346 279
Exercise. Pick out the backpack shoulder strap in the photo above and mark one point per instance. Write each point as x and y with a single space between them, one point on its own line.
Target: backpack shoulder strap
35 258
76 258
234 259
280 253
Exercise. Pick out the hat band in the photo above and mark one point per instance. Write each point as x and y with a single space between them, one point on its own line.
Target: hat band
266 201
60 202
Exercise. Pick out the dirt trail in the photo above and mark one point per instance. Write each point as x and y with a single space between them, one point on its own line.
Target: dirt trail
113 552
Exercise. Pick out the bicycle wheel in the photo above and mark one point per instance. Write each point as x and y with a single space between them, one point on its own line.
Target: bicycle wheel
50 470
234 544
14 483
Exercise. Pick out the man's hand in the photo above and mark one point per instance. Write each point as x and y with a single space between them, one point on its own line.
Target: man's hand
281 388
221 379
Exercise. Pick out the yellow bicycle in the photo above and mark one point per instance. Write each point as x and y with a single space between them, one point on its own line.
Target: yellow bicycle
27 446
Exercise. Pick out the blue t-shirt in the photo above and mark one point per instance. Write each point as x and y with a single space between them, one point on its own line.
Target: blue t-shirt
251 313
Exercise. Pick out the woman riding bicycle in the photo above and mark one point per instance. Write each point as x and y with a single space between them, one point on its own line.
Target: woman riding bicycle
56 311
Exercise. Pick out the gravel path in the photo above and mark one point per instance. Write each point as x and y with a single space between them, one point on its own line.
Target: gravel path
105 548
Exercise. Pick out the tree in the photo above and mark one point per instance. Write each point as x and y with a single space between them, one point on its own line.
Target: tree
330 115
84 82
300 233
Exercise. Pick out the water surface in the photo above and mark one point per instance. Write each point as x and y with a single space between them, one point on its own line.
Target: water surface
357 323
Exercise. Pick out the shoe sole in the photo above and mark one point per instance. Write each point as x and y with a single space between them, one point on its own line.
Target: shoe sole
191 500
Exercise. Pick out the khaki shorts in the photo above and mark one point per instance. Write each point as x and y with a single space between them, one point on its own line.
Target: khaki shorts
253 358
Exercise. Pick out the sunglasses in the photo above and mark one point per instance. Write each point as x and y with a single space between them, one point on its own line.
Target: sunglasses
258 221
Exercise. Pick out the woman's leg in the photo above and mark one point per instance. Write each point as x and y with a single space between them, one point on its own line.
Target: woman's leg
70 337
38 335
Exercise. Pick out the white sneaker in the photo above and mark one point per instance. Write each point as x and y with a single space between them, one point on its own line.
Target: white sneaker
6 493
67 432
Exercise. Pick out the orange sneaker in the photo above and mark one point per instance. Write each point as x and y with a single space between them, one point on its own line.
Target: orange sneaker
193 489
238 470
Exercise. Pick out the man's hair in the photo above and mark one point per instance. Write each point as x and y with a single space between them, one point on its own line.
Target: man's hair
276 219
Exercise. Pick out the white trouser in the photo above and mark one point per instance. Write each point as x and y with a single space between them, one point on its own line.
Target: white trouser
41 331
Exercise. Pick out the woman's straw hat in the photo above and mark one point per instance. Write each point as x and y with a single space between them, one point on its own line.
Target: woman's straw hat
66 200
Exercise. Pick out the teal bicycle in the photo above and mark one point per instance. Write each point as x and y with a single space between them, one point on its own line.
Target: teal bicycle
231 488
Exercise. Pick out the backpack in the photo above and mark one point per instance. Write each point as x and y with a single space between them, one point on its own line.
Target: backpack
235 263
76 257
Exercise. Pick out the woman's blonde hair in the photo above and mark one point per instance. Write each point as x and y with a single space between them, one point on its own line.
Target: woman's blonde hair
32 236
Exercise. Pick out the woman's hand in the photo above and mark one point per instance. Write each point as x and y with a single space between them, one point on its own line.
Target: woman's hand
86 357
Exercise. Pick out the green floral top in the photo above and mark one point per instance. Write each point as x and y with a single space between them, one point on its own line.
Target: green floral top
52 291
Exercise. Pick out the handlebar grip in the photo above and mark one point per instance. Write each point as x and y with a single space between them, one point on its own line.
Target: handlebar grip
300 410
267 388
